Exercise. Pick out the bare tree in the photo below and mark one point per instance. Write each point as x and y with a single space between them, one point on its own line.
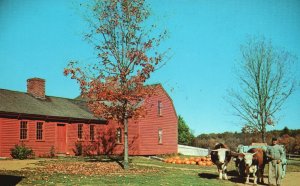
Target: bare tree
265 83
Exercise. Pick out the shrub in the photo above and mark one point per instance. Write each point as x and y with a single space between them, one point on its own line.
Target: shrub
78 149
52 152
21 152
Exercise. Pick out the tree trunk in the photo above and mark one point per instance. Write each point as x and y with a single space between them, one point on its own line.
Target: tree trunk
263 133
126 163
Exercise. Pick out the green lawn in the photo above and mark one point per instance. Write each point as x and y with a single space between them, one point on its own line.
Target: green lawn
144 171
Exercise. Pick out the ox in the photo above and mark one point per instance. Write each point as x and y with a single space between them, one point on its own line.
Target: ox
220 156
253 162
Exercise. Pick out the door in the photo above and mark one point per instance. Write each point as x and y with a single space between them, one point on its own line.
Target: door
61 138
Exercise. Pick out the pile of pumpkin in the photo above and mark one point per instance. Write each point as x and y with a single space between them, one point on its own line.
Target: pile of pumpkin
202 161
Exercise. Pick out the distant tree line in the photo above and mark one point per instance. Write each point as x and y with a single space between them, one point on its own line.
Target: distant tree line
287 137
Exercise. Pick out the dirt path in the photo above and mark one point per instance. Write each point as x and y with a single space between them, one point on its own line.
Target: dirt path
291 179
17 164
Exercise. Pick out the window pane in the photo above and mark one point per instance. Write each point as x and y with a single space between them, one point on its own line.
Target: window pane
39 130
92 133
160 133
119 135
80 131
23 130
159 108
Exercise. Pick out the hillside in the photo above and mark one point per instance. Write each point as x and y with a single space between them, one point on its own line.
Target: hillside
289 138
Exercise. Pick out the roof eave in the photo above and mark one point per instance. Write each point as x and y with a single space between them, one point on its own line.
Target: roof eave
14 115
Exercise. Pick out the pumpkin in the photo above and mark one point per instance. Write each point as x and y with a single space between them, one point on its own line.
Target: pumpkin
209 163
178 161
197 159
193 163
187 162
192 158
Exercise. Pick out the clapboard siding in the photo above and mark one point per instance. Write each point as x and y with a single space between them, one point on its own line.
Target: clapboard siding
11 137
72 136
1 140
150 125
142 133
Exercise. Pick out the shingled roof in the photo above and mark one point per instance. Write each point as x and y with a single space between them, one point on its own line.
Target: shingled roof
23 103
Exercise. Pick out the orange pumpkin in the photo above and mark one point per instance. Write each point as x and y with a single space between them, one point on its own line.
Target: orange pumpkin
178 161
193 163
187 162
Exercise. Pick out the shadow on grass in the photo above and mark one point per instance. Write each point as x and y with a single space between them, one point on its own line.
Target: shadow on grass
208 175
117 159
9 180
233 176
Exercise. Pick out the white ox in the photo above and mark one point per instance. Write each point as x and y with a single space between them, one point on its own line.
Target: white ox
221 158
250 166
254 162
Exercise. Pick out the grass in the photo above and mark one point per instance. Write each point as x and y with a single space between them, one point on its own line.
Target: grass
293 165
144 171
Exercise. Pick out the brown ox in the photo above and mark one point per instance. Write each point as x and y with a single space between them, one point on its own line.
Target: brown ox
254 162
220 156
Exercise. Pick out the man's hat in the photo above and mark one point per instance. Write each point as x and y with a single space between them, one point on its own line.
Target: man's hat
274 139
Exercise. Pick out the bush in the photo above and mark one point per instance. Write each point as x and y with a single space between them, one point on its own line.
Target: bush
52 152
21 152
78 149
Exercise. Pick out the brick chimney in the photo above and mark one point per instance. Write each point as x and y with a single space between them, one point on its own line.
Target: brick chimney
36 87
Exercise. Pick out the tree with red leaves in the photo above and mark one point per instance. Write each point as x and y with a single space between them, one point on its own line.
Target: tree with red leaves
126 56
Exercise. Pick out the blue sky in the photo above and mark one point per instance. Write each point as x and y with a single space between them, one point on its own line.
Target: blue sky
38 39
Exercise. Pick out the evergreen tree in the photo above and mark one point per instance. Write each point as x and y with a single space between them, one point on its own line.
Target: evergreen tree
185 136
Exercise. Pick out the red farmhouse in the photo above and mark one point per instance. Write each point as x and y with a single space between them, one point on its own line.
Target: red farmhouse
44 122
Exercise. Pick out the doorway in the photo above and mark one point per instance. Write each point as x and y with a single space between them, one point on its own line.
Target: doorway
61 139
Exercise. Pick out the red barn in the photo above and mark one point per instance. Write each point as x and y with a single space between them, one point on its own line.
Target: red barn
45 122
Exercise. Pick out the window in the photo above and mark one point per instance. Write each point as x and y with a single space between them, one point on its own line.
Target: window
80 131
160 108
23 130
39 130
92 132
119 135
160 133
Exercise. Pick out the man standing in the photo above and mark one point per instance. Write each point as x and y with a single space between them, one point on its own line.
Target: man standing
275 153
